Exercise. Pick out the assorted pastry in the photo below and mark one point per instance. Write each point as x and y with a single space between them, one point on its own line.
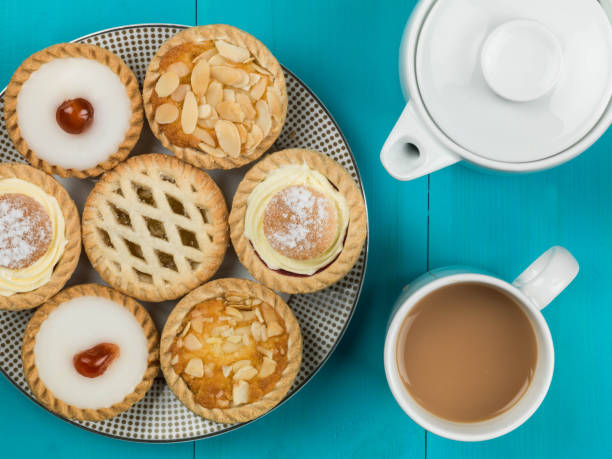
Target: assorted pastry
40 237
298 221
69 99
90 353
156 227
230 350
215 96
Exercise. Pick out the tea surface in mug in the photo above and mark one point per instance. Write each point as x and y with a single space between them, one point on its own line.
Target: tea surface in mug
467 352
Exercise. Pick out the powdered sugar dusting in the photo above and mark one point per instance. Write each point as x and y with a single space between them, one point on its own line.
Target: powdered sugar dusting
299 222
25 231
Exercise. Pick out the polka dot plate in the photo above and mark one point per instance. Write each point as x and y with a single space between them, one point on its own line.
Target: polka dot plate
323 316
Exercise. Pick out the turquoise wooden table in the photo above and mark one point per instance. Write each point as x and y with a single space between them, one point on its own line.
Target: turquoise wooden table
346 51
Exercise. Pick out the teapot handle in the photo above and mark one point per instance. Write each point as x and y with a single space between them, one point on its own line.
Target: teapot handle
411 151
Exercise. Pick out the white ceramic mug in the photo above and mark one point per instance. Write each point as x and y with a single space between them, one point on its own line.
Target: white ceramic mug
534 289
418 145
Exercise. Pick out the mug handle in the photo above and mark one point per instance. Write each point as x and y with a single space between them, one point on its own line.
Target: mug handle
411 151
548 276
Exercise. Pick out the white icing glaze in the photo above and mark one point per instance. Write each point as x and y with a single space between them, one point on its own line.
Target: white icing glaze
69 78
80 324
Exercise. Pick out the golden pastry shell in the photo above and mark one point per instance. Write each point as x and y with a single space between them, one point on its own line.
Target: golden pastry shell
219 288
68 262
64 50
38 387
356 231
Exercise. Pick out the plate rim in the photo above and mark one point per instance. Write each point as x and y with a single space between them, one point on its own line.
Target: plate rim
342 332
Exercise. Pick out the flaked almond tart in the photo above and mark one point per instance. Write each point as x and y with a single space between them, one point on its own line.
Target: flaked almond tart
215 96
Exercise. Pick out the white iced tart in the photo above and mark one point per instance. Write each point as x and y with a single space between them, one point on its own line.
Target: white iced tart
90 352
74 109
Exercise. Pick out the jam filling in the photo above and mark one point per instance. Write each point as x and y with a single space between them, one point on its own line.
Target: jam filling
93 362
75 115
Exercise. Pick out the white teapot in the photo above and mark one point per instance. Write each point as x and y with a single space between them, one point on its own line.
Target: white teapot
508 85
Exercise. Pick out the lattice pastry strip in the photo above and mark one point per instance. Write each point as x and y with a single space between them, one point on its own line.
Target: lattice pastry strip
155 227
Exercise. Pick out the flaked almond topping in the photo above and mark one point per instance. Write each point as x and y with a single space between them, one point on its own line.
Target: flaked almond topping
234 338
204 136
233 312
214 94
246 340
240 363
216 331
231 111
234 53
214 340
228 75
179 342
260 69
268 366
267 352
195 368
206 55
274 103
166 113
228 332
258 89
220 394
180 68
223 403
204 111
268 313
229 95
166 84
189 116
197 324
235 299
200 77
226 369
174 360
264 333
228 137
256 331
246 106
228 348
186 329
256 301
207 319
246 373
216 152
192 343
217 59
240 393
208 370
243 133
179 93
258 314
263 120
254 138
275 329
242 306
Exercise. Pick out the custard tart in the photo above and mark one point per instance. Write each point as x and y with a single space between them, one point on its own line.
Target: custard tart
230 350
215 96
298 221
73 109
90 353
155 227
40 236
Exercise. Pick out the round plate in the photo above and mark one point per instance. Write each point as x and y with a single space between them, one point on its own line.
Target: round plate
323 316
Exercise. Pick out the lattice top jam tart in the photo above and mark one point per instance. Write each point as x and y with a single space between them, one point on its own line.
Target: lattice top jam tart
90 353
215 96
155 227
231 350
73 109
40 238
298 221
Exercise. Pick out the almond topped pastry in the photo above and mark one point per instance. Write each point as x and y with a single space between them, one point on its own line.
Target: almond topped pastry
298 221
215 96
90 353
40 237
231 350
73 109
155 227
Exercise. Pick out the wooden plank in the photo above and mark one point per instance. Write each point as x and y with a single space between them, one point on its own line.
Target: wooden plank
28 430
501 223
348 56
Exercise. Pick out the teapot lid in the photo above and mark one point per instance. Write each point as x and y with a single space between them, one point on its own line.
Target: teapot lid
515 81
